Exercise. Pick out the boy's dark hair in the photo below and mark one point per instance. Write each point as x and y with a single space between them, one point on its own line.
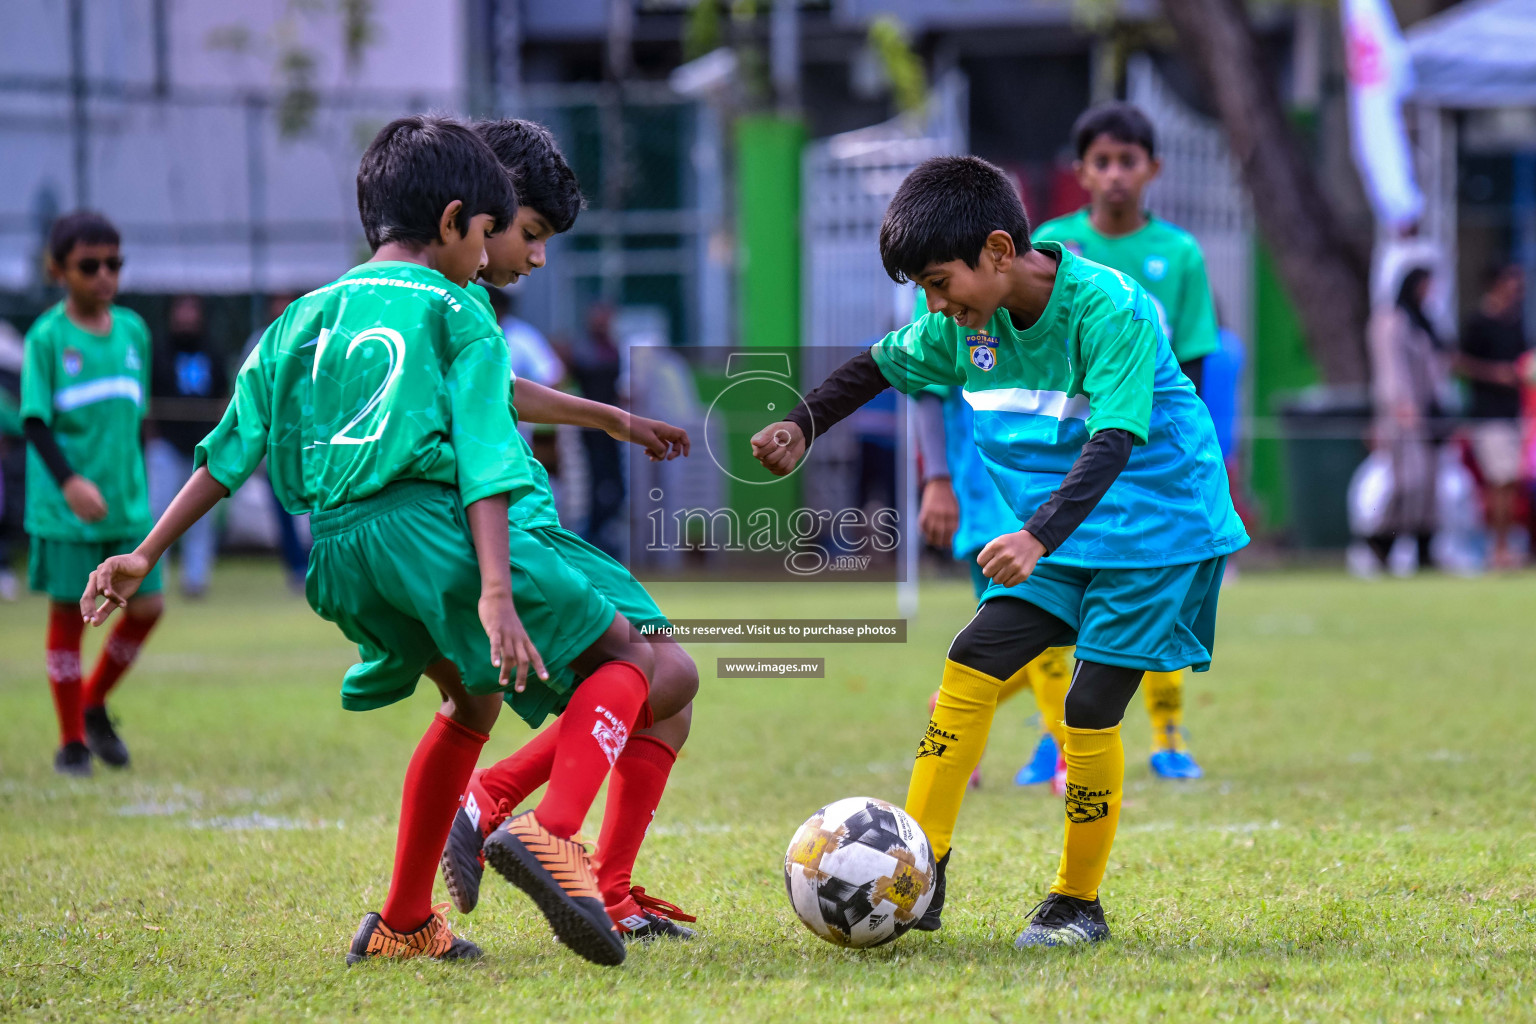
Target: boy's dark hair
1123 122
944 210
544 181
415 167
82 227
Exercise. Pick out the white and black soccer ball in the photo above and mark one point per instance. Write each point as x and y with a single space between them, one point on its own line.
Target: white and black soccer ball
859 872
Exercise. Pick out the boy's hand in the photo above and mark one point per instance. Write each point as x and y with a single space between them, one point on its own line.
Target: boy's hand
111 585
84 499
509 641
779 446
662 441
938 516
1008 560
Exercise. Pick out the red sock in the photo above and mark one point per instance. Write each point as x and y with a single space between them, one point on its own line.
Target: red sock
64 629
439 771
116 655
593 731
639 777
512 778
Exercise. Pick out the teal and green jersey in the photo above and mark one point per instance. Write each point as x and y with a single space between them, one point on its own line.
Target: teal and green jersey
389 373
91 390
1096 359
1165 260
537 507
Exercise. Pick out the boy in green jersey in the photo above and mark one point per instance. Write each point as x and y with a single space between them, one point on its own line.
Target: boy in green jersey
380 404
1103 452
84 383
549 200
1116 161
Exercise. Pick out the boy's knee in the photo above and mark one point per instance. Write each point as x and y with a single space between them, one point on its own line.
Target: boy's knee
1099 695
149 606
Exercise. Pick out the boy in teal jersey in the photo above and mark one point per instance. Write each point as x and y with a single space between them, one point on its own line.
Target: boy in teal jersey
84 384
380 404
549 201
1116 161
1100 446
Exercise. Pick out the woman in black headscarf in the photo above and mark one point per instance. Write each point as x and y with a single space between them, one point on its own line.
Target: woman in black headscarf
1408 374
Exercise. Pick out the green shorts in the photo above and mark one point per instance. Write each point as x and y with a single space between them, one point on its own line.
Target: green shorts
605 573
397 573
1158 620
60 568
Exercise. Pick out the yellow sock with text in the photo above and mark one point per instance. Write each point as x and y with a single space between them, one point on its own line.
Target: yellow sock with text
1095 781
1051 674
1164 693
951 749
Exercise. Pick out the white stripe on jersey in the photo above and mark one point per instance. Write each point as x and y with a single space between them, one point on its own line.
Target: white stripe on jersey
78 395
1055 404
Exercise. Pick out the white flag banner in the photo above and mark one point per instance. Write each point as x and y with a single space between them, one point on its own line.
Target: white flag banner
1380 75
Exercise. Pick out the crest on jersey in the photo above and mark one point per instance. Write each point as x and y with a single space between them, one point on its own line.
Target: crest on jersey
131 360
983 351
73 362
1155 267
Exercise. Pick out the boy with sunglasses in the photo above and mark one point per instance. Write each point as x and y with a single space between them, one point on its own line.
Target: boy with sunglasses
84 384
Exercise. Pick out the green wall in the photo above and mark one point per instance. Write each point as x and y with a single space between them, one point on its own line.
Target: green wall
768 224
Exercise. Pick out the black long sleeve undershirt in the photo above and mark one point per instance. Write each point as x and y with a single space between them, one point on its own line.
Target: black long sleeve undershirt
1102 459
41 438
844 392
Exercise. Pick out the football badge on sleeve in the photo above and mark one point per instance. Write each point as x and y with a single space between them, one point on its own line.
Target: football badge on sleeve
983 351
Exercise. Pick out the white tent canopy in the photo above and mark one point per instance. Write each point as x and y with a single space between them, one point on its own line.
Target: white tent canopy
1477 54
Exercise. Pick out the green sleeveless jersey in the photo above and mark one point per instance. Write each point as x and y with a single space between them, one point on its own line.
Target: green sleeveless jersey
91 390
389 373
1162 258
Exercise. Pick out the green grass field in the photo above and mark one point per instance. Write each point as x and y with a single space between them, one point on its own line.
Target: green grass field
1363 847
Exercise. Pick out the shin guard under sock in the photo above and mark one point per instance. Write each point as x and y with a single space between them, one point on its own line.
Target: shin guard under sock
63 649
634 791
1095 781
1164 693
116 656
950 750
437 776
594 728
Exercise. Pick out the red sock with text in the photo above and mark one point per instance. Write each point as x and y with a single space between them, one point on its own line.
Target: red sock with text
593 731
116 656
63 646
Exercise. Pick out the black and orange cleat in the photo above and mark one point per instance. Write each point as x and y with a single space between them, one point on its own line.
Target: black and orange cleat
557 875
463 863
434 939
640 917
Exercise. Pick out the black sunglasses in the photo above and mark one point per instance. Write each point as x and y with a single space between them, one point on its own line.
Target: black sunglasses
90 266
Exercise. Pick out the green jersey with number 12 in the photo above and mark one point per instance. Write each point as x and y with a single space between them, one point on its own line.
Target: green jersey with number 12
389 373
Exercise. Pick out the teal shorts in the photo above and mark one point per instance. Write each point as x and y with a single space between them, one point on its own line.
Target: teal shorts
397 572
60 568
605 573
1157 620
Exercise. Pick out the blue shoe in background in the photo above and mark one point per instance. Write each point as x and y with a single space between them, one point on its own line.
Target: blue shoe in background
1175 764
1041 766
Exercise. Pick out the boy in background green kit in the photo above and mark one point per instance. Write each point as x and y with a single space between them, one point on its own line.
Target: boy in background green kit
84 383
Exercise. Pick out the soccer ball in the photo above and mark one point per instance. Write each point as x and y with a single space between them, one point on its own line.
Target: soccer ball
859 872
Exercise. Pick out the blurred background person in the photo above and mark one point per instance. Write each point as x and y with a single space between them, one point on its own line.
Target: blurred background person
292 547
1408 374
13 456
187 383
1492 347
595 366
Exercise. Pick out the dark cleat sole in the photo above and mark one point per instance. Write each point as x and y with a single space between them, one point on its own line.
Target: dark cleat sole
598 943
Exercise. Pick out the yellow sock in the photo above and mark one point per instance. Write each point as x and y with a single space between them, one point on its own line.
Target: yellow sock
1164 692
1013 684
1051 676
1095 778
951 749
